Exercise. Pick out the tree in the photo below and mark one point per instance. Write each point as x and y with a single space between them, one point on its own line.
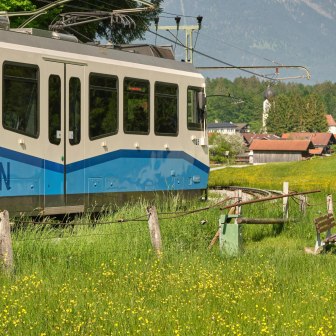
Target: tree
102 29
327 92
280 116
315 112
293 113
225 146
244 104
241 100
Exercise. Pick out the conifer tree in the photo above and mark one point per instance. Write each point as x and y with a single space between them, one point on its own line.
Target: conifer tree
293 113
314 114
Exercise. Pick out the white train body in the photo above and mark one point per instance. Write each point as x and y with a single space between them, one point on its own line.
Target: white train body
86 126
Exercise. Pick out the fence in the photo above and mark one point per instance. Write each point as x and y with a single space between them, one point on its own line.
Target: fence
152 218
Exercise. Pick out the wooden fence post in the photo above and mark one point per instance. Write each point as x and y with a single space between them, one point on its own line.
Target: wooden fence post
330 208
239 196
6 251
303 203
154 229
285 204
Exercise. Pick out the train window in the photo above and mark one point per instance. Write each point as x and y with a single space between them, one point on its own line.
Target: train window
166 107
54 109
20 98
136 106
103 114
195 114
74 111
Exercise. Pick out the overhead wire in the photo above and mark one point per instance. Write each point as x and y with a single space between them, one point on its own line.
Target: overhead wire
181 15
176 37
109 6
79 34
113 6
91 4
241 49
198 31
271 78
214 58
178 42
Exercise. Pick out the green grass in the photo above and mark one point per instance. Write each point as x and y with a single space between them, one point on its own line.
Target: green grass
317 173
107 280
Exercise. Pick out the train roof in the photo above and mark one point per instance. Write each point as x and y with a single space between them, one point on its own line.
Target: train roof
103 51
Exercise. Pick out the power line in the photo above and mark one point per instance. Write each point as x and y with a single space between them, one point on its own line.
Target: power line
181 15
241 49
214 58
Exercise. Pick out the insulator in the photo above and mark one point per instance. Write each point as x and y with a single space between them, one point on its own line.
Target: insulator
177 20
199 20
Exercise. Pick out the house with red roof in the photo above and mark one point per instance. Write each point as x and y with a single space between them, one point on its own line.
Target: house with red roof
321 141
265 151
331 124
249 137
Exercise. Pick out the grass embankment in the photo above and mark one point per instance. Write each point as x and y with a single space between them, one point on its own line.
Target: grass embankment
106 280
317 173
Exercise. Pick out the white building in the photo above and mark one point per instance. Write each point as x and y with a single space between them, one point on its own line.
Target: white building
222 127
331 124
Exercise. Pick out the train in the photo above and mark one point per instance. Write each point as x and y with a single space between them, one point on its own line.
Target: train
86 126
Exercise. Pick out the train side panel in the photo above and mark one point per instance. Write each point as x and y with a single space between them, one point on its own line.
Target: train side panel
57 165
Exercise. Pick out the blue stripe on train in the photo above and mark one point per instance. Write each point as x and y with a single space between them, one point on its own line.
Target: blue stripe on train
119 171
136 154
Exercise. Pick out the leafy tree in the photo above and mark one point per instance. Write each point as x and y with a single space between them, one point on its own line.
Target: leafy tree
90 31
242 100
224 147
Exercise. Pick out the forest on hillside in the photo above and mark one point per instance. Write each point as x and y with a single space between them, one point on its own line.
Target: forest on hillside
241 100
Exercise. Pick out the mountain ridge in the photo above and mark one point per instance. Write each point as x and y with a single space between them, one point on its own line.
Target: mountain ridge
291 32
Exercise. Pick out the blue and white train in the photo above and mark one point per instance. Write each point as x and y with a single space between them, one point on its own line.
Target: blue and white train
85 126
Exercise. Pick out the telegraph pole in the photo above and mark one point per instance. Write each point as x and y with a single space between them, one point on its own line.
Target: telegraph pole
189 30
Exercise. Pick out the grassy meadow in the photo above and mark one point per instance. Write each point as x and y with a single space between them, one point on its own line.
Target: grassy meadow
316 173
103 278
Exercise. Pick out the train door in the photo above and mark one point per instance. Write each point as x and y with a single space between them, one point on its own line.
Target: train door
75 86
64 168
53 102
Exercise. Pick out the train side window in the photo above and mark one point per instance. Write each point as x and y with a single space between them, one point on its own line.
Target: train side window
20 98
54 109
103 114
166 109
74 111
195 114
136 106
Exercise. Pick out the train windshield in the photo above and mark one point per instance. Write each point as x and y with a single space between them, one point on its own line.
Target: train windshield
166 109
195 113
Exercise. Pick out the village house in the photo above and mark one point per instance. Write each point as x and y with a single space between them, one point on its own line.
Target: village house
265 151
243 127
249 137
321 141
222 127
331 124
228 127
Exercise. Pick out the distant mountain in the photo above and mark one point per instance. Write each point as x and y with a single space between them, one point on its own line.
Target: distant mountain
240 32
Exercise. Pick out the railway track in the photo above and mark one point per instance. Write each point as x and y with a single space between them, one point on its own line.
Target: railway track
247 193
